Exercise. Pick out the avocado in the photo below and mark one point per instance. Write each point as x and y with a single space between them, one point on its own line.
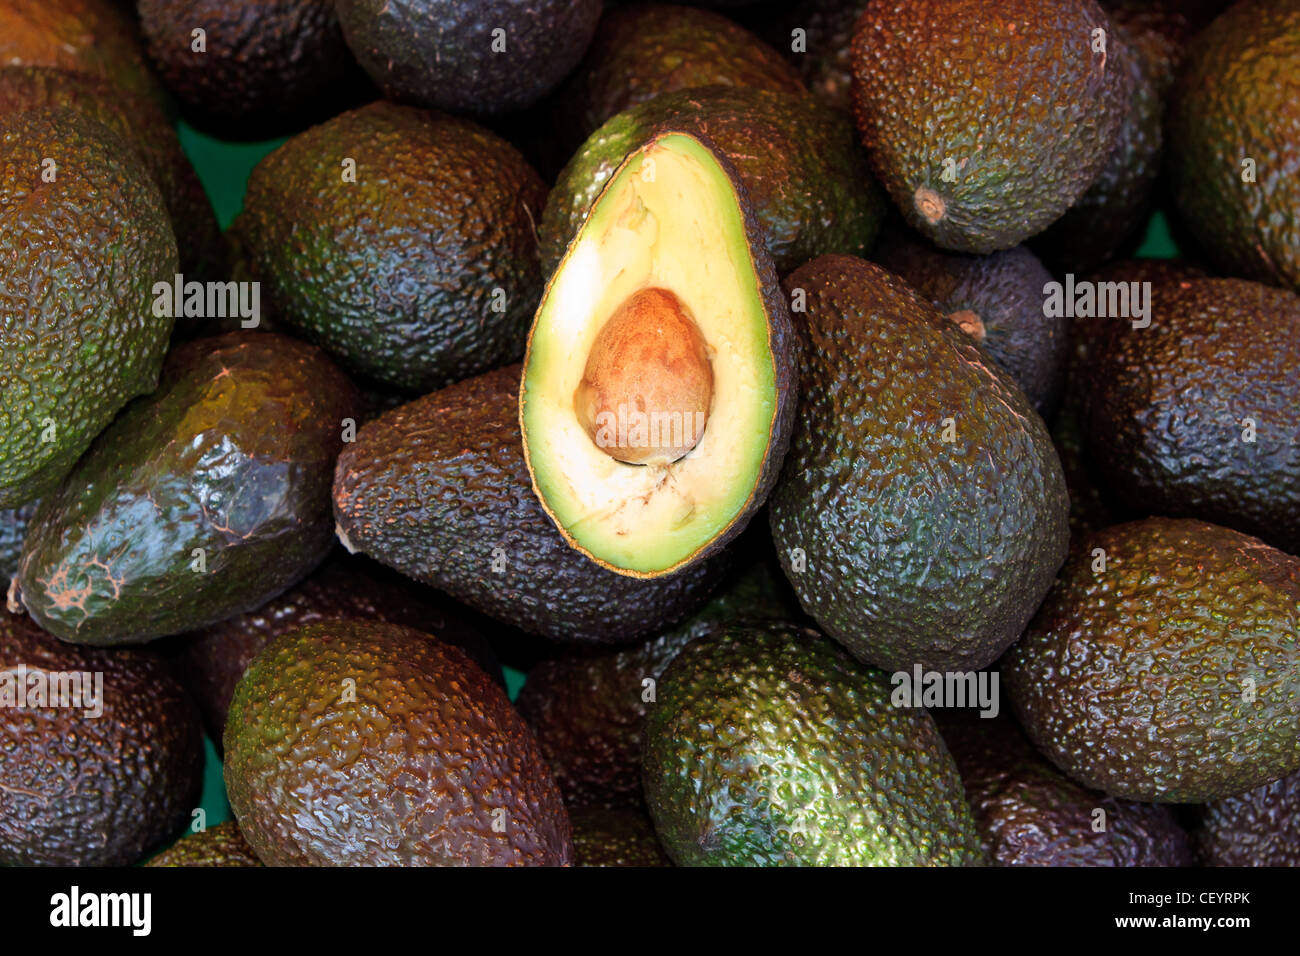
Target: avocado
769 746
1089 509
200 502
972 162
13 529
361 743
221 845
438 489
400 241
825 57
659 383
105 771
1163 30
84 235
996 299
1234 141
483 56
921 514
261 67
1260 827
805 174
211 660
1164 664
143 124
1194 416
621 836
1028 814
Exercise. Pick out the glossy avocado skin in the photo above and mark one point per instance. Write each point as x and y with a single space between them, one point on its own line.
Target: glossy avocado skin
1028 814
81 255
1260 827
770 746
1133 679
428 765
221 845
439 490
84 790
622 836
906 548
805 175
413 294
231 456
1017 162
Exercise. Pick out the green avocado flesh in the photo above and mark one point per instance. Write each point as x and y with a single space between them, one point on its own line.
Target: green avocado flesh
671 218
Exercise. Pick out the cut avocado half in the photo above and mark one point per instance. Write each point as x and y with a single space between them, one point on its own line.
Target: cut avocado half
658 386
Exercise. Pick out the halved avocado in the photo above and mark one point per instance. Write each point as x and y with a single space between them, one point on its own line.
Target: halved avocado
658 388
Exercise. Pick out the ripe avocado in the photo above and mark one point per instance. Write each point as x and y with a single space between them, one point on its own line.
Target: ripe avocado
81 785
1165 665
84 235
659 383
359 743
922 513
770 746
439 490
421 272
202 501
619 836
1260 827
939 93
221 845
485 56
1234 141
805 174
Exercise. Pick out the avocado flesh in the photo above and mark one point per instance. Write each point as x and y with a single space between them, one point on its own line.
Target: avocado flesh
671 218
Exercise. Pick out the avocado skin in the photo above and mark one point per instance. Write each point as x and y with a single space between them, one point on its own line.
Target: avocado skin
1165 407
1021 161
917 551
433 488
407 293
1235 99
212 659
826 66
231 455
81 255
1028 814
621 836
806 177
1132 680
410 773
145 126
1163 30
440 52
1258 828
760 728
13 529
221 845
102 791
1005 290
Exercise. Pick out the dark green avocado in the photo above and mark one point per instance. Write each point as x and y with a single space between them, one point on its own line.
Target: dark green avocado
622 836
202 501
922 513
105 777
770 746
355 743
438 489
221 845
1165 663
1260 827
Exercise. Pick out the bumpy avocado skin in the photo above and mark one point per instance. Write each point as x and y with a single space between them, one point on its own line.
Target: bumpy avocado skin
903 546
622 836
438 489
1235 100
1258 828
1173 675
1028 814
365 744
221 845
1018 161
770 746
805 174
1005 292
421 273
201 501
1195 416
81 254
84 790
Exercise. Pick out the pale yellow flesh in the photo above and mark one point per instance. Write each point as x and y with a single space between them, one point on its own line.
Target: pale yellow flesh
668 219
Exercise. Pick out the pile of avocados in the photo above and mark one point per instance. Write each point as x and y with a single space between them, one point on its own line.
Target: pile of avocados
639 435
